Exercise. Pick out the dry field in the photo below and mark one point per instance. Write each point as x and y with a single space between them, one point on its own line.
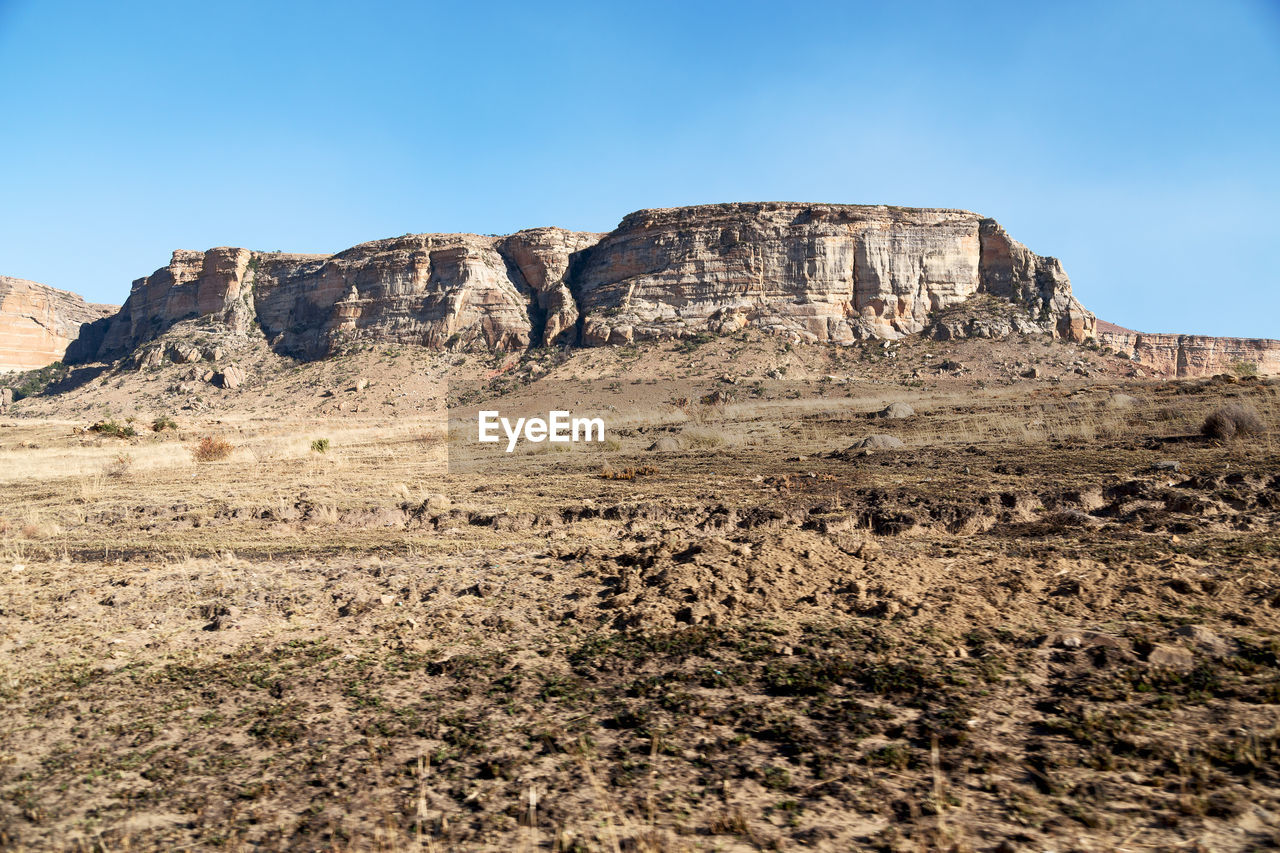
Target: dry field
723 629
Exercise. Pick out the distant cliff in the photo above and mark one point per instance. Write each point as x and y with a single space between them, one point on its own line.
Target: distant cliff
37 322
1192 355
818 272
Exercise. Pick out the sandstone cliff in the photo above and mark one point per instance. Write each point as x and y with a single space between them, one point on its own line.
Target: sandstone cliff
1192 355
38 322
834 273
823 272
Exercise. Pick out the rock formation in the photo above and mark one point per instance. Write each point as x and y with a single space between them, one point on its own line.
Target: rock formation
38 322
835 273
1192 355
820 272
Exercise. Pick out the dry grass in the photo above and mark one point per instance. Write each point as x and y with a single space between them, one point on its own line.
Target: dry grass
1231 421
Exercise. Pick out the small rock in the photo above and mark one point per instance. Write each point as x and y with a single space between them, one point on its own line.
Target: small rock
1206 640
896 411
1171 657
1167 465
232 377
1122 401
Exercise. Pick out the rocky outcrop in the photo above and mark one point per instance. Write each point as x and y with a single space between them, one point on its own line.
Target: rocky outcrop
38 322
819 272
444 291
1192 355
543 257
835 273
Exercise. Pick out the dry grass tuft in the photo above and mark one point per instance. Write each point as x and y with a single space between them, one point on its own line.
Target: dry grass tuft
1231 420
212 449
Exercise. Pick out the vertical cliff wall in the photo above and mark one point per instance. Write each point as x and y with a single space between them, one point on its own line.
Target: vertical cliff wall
823 272
817 272
37 322
1173 355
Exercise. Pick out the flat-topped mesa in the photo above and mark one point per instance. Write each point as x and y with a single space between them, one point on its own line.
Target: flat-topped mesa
38 322
823 272
818 272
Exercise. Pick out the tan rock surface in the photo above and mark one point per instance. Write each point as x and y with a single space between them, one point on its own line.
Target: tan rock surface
37 322
1192 355
821 272
836 273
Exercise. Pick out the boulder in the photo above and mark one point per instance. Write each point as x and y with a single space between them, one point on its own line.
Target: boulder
232 377
896 411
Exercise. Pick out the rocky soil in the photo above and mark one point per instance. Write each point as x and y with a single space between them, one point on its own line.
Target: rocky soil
1048 620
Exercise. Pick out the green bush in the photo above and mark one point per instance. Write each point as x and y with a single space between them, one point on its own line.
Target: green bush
163 423
110 427
1244 369
34 382
320 445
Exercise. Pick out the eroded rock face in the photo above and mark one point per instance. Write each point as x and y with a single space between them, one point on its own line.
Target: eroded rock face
543 257
836 273
1192 355
821 272
38 322
444 291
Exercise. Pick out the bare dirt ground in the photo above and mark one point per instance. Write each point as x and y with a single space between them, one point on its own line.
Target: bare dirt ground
723 629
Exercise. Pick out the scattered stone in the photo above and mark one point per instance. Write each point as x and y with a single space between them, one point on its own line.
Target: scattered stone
1168 465
878 442
667 444
896 411
232 377
1206 640
1171 657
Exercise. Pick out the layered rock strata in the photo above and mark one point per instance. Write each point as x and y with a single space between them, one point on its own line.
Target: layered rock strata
835 273
38 322
1173 355
822 272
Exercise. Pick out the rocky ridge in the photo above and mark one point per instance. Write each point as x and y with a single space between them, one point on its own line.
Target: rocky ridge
1174 355
837 273
37 322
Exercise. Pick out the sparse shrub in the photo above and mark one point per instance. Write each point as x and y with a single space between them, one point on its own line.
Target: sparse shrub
1231 420
119 467
163 423
320 445
1244 369
110 427
34 382
212 449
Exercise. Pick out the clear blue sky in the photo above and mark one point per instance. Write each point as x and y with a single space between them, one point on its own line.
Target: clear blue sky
1138 142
